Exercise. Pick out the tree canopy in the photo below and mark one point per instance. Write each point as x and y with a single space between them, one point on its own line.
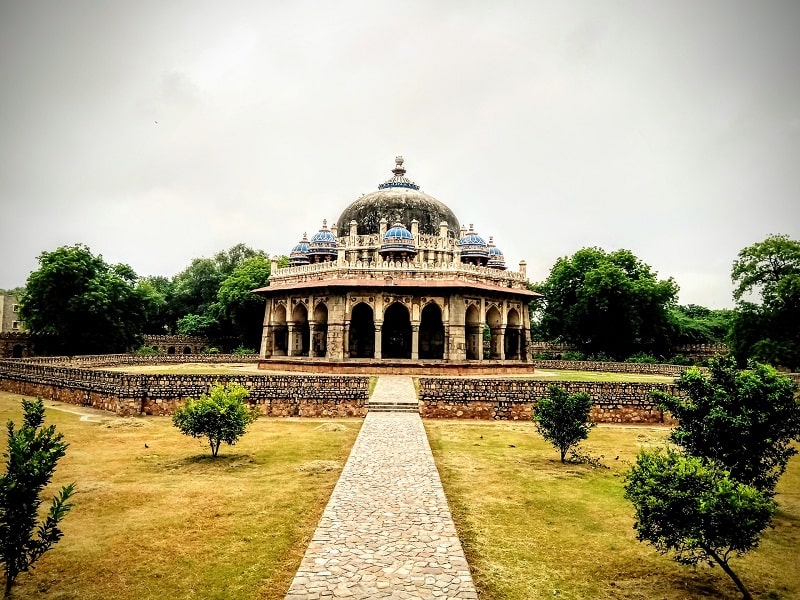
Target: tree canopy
610 303
767 325
694 509
744 419
239 305
563 419
76 303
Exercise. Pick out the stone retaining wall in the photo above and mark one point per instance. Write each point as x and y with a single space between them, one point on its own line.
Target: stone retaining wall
129 394
610 367
473 398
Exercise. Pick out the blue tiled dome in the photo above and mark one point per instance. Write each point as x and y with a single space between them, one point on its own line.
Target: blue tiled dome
473 246
398 240
299 254
322 244
496 258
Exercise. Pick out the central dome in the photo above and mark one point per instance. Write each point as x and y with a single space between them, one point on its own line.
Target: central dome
397 199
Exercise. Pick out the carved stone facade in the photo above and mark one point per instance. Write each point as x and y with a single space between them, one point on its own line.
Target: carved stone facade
396 294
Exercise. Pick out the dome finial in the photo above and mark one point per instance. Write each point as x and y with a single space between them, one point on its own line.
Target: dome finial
398 166
399 179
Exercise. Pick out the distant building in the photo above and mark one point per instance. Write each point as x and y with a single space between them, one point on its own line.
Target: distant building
15 341
9 314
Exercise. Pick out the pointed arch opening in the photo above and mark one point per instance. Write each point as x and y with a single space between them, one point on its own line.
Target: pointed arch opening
299 333
396 332
319 338
280 331
474 333
431 332
361 337
513 337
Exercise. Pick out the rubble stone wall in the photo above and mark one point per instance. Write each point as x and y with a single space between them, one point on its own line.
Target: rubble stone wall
513 399
134 394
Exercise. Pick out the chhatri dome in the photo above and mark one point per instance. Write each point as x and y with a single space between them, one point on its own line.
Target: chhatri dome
398 199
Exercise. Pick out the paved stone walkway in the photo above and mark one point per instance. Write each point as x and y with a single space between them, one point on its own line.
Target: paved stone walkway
387 531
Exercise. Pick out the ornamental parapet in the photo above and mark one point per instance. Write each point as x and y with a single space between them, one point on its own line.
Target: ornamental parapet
421 270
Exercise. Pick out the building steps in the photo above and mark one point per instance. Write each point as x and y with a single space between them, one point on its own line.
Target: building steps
394 407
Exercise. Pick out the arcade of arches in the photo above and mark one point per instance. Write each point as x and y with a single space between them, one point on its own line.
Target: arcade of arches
377 326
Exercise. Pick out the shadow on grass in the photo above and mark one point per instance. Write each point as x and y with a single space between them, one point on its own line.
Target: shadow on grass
206 462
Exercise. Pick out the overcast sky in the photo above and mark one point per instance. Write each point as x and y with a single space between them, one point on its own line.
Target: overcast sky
157 132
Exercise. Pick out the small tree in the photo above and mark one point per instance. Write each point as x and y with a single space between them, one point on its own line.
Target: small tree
745 419
563 419
693 508
32 456
221 415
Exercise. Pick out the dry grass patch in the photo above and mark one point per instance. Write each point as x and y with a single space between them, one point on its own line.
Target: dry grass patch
156 517
534 528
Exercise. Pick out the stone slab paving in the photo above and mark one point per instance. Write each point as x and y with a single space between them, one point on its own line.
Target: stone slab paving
387 530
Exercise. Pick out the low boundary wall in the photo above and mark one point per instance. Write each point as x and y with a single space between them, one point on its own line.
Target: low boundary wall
513 399
611 367
128 394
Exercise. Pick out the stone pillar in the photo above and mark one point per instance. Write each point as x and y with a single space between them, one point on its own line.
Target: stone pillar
446 355
378 340
523 268
312 331
415 228
266 342
346 340
353 232
290 339
501 343
414 341
382 226
479 336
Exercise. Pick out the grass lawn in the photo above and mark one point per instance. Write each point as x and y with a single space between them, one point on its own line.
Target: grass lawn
598 376
156 517
534 528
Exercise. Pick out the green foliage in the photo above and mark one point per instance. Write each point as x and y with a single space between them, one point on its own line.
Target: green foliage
76 303
147 351
32 455
563 419
221 415
573 355
237 302
680 359
769 330
211 350
201 325
744 419
156 294
606 302
241 350
642 358
693 324
693 508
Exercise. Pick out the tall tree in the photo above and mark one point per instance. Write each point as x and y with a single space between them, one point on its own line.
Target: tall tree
76 303
237 303
767 280
606 302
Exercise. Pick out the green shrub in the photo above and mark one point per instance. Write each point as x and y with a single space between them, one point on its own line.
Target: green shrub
602 357
543 356
573 355
147 351
643 358
242 350
680 359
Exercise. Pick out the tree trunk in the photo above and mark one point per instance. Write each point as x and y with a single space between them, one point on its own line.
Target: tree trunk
563 454
724 564
9 583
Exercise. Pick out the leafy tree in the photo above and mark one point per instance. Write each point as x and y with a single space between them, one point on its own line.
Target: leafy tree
744 419
769 330
32 455
76 303
693 324
563 419
221 415
197 325
606 302
695 509
156 294
237 303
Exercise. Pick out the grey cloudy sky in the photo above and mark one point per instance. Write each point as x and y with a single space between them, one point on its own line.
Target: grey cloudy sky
157 132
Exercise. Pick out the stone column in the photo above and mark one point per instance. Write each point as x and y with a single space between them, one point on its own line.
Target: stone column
290 339
446 354
501 343
346 340
378 339
414 341
479 336
312 330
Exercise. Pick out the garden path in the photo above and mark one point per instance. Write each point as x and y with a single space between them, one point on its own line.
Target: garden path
387 531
